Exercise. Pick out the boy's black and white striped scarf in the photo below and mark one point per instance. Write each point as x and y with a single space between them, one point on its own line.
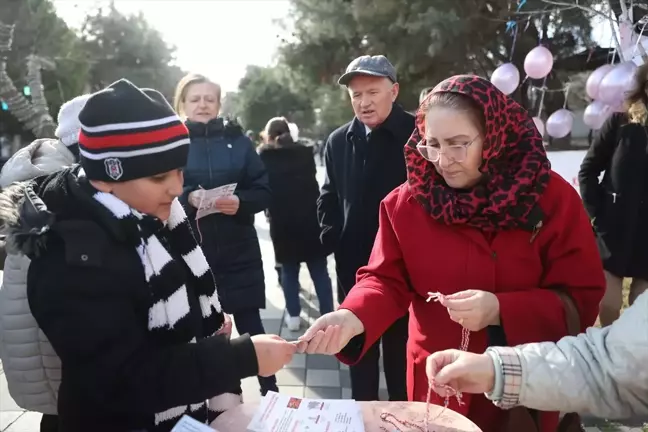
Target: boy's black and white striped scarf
162 248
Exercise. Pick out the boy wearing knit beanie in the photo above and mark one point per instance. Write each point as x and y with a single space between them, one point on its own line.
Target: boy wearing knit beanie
18 337
118 282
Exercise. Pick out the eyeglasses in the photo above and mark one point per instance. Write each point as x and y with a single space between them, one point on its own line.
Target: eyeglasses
456 153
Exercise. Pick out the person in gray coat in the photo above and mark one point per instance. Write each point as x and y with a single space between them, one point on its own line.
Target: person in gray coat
32 368
601 372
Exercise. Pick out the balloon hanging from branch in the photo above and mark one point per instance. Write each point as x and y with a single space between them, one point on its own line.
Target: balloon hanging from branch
506 78
538 62
616 83
595 114
560 123
537 65
594 80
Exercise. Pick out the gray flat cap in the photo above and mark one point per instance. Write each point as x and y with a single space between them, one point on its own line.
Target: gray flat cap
377 66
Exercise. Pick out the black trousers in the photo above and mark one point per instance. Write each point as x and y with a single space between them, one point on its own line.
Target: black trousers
249 321
365 375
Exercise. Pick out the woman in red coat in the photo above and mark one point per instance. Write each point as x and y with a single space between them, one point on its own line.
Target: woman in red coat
482 220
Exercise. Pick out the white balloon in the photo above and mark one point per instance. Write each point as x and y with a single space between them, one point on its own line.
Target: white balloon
538 62
506 78
595 114
594 80
559 124
614 85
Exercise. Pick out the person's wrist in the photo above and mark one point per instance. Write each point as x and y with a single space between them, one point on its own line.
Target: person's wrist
356 324
495 376
495 319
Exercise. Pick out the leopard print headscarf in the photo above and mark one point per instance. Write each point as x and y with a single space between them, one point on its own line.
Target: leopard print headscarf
515 165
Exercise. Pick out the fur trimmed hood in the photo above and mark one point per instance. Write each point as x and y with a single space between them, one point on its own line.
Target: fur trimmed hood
23 213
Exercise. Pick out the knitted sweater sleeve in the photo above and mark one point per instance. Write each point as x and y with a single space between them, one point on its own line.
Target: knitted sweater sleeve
111 361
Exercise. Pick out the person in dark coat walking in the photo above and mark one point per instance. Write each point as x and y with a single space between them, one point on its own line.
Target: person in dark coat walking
294 228
364 162
618 205
221 154
118 283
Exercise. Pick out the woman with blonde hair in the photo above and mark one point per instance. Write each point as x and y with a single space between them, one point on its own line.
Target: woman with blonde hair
618 205
221 154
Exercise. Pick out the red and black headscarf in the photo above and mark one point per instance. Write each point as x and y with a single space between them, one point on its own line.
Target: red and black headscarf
515 166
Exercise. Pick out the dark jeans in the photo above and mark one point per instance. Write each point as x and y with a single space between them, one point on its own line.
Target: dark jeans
249 321
49 423
365 376
321 279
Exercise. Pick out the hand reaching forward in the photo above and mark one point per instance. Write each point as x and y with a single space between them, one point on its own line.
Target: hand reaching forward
330 333
462 371
272 353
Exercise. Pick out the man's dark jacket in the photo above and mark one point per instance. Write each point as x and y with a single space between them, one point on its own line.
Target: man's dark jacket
360 172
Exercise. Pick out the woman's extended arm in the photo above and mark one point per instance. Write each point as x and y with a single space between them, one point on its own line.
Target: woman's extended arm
382 293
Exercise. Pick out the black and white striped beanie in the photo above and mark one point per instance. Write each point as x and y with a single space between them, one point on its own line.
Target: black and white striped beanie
129 133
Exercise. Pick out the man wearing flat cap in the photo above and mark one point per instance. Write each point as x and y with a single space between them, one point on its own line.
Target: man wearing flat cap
364 161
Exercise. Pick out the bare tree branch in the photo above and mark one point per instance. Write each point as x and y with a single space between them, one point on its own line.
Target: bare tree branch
576 5
610 17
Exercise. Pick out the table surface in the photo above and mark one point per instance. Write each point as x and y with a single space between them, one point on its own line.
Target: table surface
441 419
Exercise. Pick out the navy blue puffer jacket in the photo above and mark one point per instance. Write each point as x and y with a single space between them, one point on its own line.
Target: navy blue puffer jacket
221 154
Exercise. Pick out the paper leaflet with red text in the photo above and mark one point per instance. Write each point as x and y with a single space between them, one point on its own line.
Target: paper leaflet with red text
284 413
